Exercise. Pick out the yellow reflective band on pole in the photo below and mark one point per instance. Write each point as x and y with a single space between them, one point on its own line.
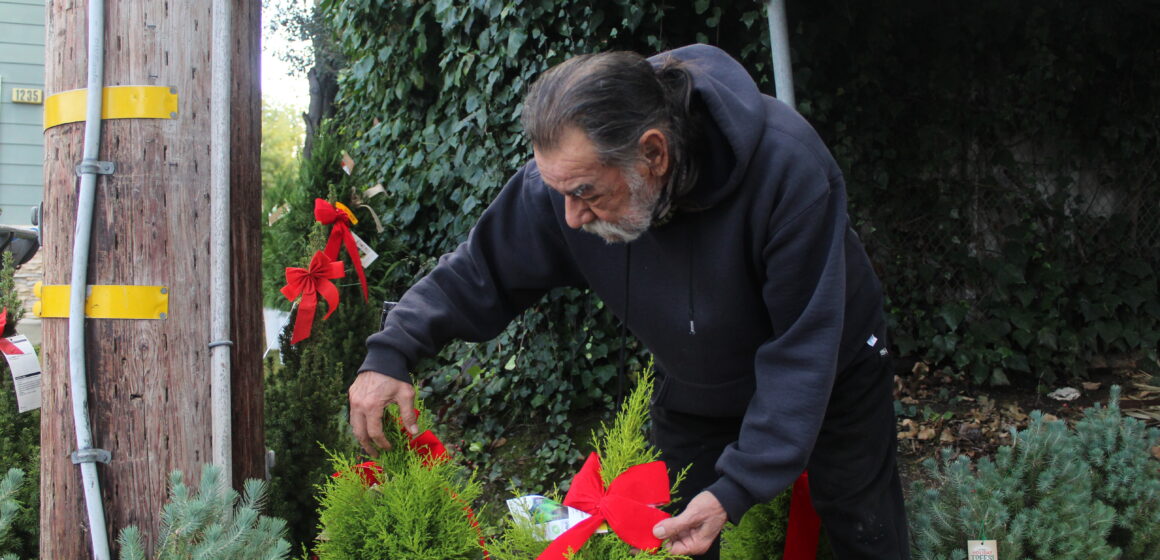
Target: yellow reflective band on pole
104 302
117 102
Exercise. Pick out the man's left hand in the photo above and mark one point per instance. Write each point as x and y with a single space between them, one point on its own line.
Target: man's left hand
693 531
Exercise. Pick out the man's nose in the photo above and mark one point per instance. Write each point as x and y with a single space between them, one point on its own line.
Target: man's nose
576 212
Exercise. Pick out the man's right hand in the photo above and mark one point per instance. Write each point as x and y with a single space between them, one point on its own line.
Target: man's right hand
370 394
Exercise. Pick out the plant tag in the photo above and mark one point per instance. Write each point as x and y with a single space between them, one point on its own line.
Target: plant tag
982 550
548 518
25 370
365 254
347 163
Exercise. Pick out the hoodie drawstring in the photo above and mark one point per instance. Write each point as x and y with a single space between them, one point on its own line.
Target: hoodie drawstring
622 377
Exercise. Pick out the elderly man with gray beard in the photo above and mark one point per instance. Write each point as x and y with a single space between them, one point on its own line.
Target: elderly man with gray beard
711 220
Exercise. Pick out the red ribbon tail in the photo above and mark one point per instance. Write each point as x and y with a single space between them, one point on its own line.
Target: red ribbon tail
305 318
801 533
334 242
330 293
572 539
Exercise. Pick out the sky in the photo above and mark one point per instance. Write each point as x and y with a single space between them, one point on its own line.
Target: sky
280 83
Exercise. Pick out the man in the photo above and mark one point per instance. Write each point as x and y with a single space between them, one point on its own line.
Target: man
712 220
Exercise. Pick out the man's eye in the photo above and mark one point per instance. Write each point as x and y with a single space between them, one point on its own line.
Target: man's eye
583 192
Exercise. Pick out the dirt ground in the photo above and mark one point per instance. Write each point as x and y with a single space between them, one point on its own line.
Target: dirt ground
939 412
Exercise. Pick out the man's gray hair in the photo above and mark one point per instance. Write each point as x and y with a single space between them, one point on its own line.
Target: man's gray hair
614 98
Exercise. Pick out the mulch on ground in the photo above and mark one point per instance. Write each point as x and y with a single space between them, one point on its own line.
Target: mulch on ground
940 412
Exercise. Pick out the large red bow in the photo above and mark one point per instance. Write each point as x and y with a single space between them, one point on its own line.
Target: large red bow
6 346
627 506
340 235
309 282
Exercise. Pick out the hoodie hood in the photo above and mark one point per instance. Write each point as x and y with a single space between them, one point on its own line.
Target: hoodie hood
724 90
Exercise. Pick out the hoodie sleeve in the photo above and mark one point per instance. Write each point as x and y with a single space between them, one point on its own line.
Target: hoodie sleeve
511 258
805 292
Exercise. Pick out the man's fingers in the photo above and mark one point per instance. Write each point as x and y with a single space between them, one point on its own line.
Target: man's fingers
359 425
370 394
375 431
693 531
406 401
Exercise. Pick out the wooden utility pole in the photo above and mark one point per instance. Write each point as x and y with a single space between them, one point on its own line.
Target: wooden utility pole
149 380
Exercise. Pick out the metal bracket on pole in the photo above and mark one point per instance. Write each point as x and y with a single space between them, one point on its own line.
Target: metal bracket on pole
104 301
91 456
98 167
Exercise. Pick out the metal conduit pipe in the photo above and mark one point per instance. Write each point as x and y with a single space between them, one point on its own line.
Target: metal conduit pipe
78 384
220 344
779 44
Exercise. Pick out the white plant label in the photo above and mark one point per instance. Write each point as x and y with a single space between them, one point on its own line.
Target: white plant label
25 370
365 254
982 550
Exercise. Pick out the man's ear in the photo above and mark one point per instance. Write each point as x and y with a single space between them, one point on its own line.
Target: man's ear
654 151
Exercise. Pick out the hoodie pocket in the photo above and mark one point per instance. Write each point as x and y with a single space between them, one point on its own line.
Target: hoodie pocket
719 400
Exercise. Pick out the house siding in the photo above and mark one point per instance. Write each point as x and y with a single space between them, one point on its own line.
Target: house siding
21 129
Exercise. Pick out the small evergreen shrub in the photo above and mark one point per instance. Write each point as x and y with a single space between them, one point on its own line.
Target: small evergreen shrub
1126 477
619 446
412 508
305 399
761 533
212 524
1054 493
20 438
9 506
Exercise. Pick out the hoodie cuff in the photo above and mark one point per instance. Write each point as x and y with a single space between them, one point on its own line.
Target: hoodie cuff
735 499
389 362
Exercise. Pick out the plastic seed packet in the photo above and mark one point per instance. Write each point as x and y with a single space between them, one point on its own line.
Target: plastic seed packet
547 517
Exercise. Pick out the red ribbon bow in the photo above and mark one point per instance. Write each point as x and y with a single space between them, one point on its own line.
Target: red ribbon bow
309 282
340 235
6 346
627 506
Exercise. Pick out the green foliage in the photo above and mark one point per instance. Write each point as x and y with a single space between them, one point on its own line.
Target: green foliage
19 439
306 391
625 444
619 446
9 299
1126 476
1054 493
283 132
417 511
292 239
1012 216
212 523
9 506
761 533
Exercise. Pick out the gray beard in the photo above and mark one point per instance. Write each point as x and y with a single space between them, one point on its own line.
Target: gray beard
642 205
